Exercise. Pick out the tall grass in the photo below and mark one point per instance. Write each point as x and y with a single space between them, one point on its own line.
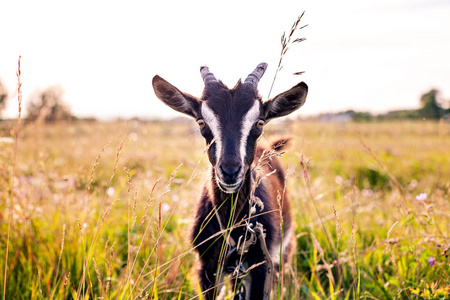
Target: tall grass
84 220
11 196
345 202
288 40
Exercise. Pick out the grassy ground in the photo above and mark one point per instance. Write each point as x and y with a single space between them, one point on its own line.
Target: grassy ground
103 210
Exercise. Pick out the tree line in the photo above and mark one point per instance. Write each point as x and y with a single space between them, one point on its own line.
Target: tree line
431 108
44 106
48 106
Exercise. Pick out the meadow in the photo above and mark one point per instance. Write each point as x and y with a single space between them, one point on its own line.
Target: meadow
98 210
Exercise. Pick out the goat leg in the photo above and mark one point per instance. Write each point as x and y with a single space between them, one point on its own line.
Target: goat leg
269 271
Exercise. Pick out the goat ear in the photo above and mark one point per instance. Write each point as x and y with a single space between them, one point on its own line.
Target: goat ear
174 98
286 102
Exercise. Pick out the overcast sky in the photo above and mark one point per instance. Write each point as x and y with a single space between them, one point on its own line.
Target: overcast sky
363 55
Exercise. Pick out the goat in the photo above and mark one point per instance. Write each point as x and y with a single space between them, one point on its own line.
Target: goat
235 202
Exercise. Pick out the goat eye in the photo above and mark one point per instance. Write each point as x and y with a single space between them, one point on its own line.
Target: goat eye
260 124
201 123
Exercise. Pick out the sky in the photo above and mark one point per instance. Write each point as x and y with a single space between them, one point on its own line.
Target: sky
374 55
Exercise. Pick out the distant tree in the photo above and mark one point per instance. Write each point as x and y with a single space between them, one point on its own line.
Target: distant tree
48 106
362 116
400 115
431 109
3 97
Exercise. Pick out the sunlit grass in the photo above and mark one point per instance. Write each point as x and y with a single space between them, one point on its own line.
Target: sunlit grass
133 218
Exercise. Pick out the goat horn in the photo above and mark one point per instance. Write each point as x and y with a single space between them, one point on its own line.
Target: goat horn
256 75
206 75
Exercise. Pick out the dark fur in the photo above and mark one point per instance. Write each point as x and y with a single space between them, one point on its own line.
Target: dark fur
231 105
209 251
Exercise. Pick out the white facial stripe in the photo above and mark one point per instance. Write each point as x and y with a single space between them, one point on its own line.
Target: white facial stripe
249 120
213 122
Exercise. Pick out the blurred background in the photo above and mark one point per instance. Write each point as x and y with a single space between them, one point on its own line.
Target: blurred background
97 59
101 209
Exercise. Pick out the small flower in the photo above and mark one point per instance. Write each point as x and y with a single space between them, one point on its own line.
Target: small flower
431 260
133 137
165 207
110 191
422 197
339 180
412 185
367 192
6 140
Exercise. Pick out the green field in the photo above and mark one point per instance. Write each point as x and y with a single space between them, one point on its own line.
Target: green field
104 210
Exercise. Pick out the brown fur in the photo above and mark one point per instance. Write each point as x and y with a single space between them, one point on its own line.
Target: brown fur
226 197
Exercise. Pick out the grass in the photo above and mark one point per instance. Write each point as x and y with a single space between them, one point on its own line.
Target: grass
115 202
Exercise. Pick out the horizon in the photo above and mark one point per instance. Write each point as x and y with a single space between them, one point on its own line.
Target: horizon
374 56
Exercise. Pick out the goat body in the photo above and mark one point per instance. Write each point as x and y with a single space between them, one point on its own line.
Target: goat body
240 194
232 209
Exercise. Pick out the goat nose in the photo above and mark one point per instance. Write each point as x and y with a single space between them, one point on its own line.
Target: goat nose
230 172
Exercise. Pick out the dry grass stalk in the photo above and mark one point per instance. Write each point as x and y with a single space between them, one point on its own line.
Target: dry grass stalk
128 267
66 282
418 265
134 218
280 201
280 206
99 278
91 178
11 188
281 262
40 284
106 244
128 219
339 232
108 210
79 226
355 260
305 165
216 236
60 254
354 229
196 173
394 261
260 174
288 173
172 177
19 89
100 222
285 42
88 205
116 162
328 267
158 248
128 180
97 161
267 155
392 178
109 266
149 202
156 239
265 159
